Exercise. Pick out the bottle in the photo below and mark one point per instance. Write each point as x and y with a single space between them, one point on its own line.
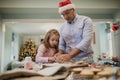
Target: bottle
28 63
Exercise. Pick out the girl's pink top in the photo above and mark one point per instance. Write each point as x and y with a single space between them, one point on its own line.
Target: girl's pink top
43 55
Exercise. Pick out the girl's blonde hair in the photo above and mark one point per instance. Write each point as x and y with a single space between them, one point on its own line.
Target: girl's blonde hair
47 37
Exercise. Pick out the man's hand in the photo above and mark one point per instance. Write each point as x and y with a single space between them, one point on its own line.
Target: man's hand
62 58
66 57
57 54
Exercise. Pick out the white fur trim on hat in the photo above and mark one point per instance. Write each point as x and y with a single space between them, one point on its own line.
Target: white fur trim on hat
69 6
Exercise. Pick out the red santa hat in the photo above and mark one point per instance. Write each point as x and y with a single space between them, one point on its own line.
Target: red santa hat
65 5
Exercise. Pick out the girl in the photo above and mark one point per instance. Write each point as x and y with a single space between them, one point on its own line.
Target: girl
48 47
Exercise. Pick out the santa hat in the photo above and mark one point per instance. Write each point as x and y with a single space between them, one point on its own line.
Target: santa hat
65 5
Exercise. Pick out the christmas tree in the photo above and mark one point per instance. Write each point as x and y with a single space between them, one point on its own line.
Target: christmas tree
28 49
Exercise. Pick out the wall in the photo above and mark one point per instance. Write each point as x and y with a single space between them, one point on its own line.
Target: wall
16 44
117 43
101 44
104 43
117 36
96 45
7 56
0 41
117 16
35 38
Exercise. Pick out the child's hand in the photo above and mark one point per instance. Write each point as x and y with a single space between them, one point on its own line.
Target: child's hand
51 59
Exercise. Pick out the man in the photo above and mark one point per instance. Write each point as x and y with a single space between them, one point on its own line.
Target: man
75 35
